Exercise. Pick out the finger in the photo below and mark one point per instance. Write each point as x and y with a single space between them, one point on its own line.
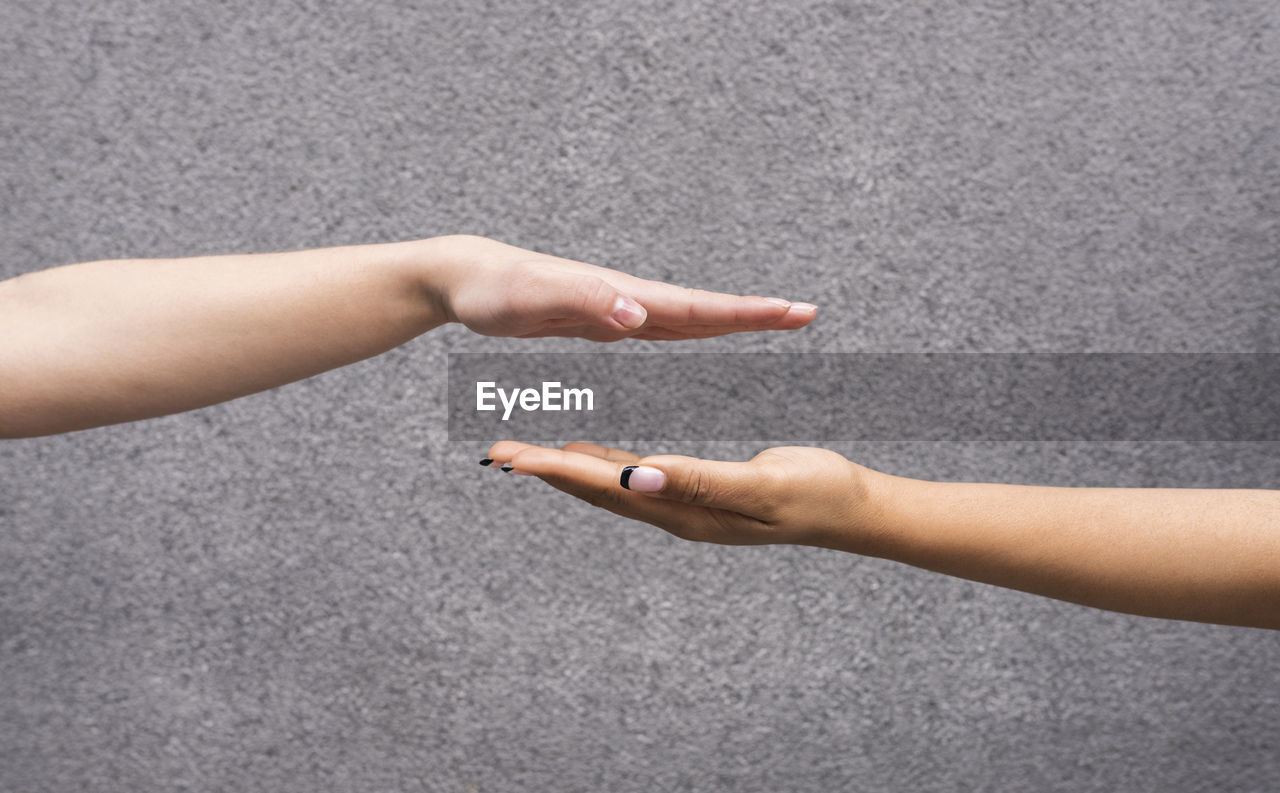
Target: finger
794 319
595 481
578 331
500 453
561 322
568 330
749 488
677 306
603 452
798 315
592 301
666 334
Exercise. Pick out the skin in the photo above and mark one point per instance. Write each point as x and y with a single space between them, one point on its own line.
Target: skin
110 341
1203 555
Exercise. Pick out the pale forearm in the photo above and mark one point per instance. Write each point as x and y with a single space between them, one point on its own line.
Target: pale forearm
110 341
1207 555
104 342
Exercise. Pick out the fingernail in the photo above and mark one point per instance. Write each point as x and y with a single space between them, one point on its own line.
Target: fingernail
777 301
642 479
506 469
628 313
486 462
804 308
518 472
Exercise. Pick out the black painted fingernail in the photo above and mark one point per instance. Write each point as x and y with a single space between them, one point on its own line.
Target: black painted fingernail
506 469
626 476
486 461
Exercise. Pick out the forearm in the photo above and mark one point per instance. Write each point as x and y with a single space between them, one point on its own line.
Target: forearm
1207 555
111 341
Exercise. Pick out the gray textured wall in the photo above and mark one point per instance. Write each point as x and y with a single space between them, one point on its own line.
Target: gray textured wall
311 589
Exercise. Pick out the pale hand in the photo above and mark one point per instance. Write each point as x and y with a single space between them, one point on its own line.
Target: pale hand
497 289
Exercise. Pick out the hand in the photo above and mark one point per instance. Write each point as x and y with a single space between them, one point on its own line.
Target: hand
499 290
790 494
1207 555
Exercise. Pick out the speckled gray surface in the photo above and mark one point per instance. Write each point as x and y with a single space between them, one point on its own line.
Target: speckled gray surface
311 589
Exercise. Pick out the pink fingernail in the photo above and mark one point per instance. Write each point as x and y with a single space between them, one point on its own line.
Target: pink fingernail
628 313
777 301
804 308
642 479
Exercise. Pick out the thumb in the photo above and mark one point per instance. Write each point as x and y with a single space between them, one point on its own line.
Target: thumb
594 301
740 487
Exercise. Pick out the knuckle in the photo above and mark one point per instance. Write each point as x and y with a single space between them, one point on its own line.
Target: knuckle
698 486
691 300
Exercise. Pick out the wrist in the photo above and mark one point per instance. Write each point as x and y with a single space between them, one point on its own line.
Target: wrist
436 267
864 523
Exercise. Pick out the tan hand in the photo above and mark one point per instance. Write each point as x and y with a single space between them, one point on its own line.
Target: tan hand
790 494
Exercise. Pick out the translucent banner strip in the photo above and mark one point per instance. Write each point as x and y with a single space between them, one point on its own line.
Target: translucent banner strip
865 396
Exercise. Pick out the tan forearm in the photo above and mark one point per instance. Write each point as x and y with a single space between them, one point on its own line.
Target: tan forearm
110 341
1207 555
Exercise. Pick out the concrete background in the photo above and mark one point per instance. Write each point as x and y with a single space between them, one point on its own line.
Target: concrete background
311 589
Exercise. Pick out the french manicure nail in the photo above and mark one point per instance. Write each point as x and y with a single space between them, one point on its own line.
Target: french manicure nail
628 313
777 301
642 479
486 462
